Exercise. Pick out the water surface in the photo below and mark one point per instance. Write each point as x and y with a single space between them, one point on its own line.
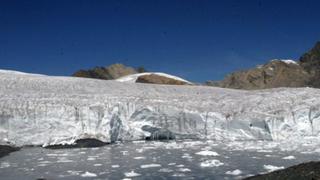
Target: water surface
151 160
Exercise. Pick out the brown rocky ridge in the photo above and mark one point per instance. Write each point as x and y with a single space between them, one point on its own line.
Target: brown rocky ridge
113 71
277 73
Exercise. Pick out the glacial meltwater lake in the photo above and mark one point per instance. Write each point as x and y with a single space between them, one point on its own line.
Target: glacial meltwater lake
186 159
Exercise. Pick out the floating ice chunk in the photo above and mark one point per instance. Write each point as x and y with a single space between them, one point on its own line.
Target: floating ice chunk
91 159
52 155
74 173
64 160
96 165
115 166
211 163
4 165
180 165
269 155
172 164
166 170
88 174
139 150
184 170
264 151
272 167
207 153
45 162
150 166
186 156
234 172
178 175
124 153
289 157
139 142
132 174
139 158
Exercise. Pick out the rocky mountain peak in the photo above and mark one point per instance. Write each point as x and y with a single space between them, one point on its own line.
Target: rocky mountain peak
311 59
278 73
275 73
113 71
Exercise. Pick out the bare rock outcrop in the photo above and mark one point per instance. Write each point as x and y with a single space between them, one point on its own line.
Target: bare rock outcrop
113 71
157 79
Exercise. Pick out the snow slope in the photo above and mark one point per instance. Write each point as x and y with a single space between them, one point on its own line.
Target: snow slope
133 77
43 110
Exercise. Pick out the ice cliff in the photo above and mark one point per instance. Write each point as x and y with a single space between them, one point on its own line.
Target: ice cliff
47 110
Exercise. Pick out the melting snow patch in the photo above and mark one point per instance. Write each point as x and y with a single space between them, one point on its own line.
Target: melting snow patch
272 168
207 153
150 166
234 172
132 174
88 174
289 157
211 163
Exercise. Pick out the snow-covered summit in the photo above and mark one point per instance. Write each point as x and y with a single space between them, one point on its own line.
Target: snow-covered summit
133 77
43 110
287 61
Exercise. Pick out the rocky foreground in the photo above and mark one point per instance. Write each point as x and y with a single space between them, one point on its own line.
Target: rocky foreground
304 171
6 149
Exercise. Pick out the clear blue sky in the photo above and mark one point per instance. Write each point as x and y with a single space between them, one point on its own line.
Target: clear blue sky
195 39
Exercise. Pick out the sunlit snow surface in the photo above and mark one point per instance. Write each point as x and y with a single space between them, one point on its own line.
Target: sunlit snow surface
161 160
249 132
47 110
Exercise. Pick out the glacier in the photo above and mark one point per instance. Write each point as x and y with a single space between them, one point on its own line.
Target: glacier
48 110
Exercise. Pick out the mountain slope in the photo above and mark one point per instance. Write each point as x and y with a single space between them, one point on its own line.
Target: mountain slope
310 62
277 73
46 110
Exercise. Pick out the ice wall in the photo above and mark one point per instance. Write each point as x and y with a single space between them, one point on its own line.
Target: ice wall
44 110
